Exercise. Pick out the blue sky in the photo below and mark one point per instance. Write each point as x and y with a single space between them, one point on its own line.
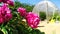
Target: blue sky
33 2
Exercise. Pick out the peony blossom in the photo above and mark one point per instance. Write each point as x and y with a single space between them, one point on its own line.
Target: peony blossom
5 14
32 19
8 16
4 1
0 0
10 3
1 20
22 11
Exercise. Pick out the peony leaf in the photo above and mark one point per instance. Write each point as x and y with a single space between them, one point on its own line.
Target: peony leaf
4 30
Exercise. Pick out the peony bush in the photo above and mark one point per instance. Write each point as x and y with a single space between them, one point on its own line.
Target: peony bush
11 20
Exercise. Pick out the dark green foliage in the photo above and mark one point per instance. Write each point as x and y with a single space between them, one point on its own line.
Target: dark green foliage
1 32
28 7
56 16
42 15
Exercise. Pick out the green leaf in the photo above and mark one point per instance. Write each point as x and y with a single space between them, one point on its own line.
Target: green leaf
4 30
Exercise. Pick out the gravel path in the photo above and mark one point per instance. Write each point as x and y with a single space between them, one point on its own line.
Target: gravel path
49 28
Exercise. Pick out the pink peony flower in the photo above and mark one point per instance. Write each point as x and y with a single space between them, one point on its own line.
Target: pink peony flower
22 11
5 1
5 13
10 3
1 20
32 19
8 16
0 0
5 5
4 8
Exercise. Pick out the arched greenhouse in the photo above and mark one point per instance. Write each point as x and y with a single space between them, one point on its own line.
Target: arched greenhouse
46 10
